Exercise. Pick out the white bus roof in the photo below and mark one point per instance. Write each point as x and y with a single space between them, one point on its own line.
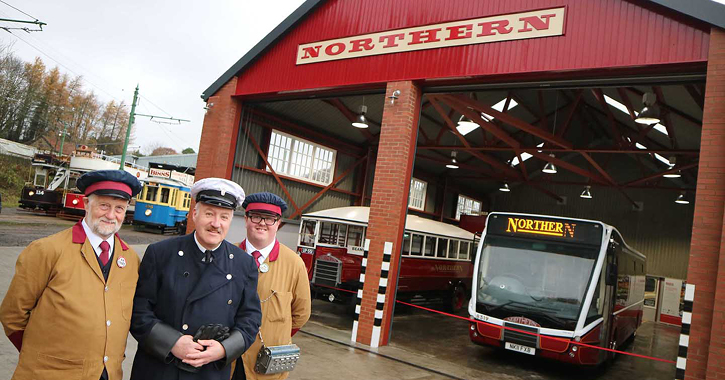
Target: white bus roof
414 223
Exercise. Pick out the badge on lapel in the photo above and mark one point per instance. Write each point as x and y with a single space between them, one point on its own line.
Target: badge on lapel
121 262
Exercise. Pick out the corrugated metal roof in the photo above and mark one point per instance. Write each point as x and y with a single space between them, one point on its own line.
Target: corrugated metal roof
12 148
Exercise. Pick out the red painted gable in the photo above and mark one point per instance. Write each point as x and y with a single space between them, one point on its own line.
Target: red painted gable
598 34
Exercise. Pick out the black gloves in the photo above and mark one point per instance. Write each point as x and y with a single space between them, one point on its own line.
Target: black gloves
205 332
212 331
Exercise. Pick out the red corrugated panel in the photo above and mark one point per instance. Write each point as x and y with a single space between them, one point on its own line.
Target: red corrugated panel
599 34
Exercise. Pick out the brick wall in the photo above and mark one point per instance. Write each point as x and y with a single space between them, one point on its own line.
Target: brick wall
705 356
388 207
218 137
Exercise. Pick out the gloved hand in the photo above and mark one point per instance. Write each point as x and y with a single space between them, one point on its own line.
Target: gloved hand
216 331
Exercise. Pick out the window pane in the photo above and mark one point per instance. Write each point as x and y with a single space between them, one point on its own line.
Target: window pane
463 251
442 248
307 235
165 195
341 234
453 249
328 233
406 244
355 236
417 245
151 193
430 246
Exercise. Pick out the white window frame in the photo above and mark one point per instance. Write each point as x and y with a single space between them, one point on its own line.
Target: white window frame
413 198
299 158
466 207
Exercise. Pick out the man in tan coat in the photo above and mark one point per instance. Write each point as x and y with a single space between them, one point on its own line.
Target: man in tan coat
283 287
68 308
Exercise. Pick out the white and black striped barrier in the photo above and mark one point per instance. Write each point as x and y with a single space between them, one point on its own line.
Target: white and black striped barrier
685 332
382 287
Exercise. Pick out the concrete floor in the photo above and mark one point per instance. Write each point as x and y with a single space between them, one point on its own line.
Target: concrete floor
423 345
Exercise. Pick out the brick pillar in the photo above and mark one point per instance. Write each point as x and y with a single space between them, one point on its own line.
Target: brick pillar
218 137
388 209
706 351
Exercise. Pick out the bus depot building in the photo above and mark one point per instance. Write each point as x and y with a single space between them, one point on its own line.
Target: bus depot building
371 117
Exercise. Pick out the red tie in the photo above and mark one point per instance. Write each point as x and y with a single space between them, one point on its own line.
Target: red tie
256 255
104 252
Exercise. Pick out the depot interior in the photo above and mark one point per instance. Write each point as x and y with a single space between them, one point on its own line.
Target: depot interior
479 150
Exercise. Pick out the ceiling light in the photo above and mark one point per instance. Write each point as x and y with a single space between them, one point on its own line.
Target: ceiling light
466 125
681 199
360 121
504 188
587 194
453 164
648 115
676 174
549 168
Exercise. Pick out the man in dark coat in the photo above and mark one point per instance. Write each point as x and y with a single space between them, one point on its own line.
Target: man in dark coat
189 283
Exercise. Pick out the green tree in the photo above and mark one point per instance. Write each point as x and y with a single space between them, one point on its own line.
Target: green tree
188 151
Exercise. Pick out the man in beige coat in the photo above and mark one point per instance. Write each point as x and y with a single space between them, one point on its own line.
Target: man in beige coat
68 308
283 286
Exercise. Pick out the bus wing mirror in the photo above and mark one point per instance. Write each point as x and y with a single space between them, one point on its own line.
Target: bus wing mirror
611 278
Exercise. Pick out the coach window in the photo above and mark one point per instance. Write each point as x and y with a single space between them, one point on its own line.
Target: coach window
453 249
174 197
187 201
39 178
442 248
151 192
307 233
463 251
416 248
165 192
355 236
430 246
406 244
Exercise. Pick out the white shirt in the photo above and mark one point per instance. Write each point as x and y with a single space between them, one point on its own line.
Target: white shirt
96 240
264 251
201 247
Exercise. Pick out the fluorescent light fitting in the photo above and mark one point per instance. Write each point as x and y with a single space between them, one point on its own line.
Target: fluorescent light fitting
681 199
586 194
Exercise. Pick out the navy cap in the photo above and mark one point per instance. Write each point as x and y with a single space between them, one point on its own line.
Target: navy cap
218 192
112 183
265 202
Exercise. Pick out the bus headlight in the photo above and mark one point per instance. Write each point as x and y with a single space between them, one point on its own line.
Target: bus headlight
574 348
75 201
147 212
31 193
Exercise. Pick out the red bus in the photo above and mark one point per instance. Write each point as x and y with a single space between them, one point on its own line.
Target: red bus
567 281
436 262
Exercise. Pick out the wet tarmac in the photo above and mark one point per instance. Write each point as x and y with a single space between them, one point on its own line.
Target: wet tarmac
444 340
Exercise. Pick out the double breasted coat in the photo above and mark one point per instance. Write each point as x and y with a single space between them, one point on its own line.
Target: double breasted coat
66 319
176 295
286 304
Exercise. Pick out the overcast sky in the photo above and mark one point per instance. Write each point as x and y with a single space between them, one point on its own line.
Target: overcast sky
173 49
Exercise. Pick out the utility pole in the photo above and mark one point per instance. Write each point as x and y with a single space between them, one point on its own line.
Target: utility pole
128 130
62 138
131 119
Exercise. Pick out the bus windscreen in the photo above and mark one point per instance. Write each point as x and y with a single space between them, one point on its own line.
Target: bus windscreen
541 281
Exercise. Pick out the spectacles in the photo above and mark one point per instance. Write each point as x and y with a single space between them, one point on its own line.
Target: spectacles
256 218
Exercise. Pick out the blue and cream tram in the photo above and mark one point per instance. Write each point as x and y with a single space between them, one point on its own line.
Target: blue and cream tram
162 206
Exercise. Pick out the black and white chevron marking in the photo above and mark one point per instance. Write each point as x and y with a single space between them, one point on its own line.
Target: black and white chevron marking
358 298
382 287
685 332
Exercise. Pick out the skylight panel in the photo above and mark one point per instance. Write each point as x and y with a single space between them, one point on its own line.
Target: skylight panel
524 156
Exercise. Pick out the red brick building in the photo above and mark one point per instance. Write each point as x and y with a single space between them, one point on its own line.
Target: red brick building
559 81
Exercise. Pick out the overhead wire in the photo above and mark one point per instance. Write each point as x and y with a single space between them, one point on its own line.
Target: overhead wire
34 18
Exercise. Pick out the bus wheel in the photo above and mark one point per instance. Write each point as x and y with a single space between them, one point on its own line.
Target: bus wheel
458 299
613 346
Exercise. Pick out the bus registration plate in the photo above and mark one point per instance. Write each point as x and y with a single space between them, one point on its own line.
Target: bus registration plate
520 348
